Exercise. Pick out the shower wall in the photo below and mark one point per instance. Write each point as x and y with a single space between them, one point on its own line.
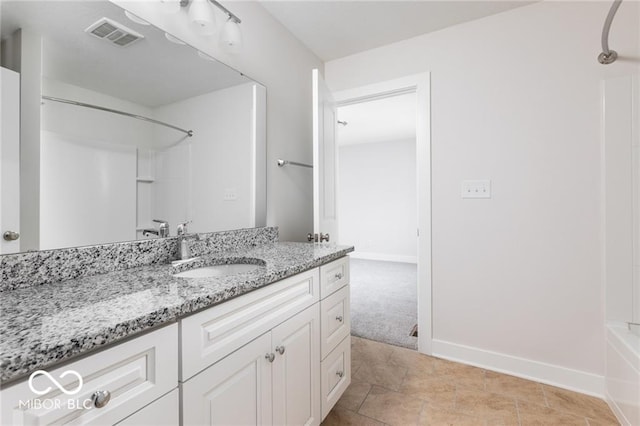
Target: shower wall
88 162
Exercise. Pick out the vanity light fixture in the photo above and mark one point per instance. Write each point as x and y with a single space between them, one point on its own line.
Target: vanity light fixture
202 16
231 37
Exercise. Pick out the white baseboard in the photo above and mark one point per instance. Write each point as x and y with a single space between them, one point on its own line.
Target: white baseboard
383 257
550 374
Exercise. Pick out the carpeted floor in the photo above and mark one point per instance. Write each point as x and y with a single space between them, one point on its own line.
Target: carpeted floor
384 301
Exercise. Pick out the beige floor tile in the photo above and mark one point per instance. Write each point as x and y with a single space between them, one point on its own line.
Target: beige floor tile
436 416
413 360
385 375
495 408
579 404
536 415
392 408
367 351
354 396
521 389
437 390
342 417
463 376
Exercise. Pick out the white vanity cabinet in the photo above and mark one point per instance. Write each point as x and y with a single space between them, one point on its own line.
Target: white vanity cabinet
278 356
274 379
130 376
335 367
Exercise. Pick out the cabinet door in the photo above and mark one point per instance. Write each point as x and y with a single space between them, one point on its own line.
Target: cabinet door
234 391
296 369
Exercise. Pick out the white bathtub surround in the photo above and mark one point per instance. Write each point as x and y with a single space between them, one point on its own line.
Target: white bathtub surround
623 373
621 175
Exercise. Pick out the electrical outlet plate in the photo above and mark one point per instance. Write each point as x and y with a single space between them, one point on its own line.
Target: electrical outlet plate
476 188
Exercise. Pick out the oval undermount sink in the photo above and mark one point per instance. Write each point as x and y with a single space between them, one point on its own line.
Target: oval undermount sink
218 270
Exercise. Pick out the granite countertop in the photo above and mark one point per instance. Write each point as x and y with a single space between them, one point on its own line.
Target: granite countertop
46 324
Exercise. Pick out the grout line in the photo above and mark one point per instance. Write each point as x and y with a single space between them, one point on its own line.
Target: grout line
544 393
424 404
518 412
365 398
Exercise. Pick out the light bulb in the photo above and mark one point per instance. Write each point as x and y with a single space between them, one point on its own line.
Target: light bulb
202 17
170 7
231 37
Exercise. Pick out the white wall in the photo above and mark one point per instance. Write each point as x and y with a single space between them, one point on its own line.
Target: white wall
273 57
377 199
516 99
193 176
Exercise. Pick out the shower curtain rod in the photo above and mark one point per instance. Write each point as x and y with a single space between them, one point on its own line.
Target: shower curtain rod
608 56
115 111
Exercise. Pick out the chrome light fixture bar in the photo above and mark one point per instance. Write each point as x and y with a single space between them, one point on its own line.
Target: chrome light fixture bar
231 15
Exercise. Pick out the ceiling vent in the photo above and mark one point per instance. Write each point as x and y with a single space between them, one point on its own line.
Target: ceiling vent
113 32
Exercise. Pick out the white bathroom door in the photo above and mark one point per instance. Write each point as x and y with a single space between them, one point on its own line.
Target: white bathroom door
9 159
324 161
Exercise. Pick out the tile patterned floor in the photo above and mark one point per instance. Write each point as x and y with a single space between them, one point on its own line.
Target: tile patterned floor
397 386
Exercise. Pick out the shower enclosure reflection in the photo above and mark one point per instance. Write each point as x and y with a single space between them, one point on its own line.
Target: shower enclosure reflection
104 177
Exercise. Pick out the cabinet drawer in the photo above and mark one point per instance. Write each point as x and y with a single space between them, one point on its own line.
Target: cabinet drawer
335 320
334 276
163 412
211 335
135 373
335 375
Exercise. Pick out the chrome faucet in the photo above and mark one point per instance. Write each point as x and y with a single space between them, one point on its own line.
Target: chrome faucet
162 231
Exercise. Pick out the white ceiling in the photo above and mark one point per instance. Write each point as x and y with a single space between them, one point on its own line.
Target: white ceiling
380 120
334 29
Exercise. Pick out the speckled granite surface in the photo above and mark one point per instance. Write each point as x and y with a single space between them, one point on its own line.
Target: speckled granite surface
48 266
43 325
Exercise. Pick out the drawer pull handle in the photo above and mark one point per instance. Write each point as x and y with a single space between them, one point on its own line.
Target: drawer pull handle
280 350
100 398
340 374
270 357
339 275
339 318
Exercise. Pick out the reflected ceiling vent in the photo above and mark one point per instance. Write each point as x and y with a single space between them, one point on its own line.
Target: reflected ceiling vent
113 32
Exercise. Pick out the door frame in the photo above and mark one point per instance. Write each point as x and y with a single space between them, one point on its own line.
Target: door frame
420 84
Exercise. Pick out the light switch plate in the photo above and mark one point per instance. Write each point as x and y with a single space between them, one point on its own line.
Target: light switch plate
476 188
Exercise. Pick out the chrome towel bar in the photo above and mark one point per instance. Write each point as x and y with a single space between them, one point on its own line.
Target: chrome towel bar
282 163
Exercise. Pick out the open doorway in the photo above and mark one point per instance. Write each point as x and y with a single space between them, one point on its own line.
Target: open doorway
378 213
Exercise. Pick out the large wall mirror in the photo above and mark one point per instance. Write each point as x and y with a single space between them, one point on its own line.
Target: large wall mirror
102 174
